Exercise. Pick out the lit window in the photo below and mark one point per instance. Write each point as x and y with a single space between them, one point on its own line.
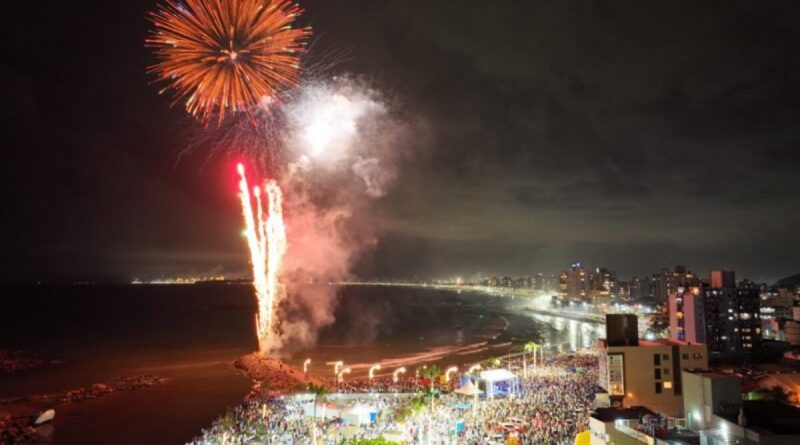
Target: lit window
667 385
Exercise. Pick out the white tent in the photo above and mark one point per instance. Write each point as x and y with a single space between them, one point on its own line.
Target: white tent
359 414
494 376
470 389
497 375
325 410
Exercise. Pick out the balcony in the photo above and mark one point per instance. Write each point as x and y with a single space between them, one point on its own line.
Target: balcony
658 431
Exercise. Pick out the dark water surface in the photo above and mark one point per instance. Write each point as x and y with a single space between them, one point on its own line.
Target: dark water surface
191 334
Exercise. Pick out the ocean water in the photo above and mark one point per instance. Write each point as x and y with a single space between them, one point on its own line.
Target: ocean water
192 333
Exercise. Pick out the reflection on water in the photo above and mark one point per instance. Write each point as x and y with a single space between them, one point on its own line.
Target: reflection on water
567 335
191 334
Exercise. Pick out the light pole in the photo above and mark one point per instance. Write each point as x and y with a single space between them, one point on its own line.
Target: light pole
397 372
342 373
372 370
449 371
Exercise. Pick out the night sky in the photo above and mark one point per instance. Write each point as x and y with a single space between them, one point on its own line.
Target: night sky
633 135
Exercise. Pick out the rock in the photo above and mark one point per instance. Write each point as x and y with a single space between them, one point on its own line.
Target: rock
45 417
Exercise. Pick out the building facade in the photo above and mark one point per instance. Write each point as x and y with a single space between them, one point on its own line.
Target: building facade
574 283
667 282
732 318
687 315
636 372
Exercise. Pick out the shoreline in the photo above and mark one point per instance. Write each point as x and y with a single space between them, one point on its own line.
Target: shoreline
401 411
142 399
272 376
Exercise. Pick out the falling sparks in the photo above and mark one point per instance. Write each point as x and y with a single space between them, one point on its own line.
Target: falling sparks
226 56
266 240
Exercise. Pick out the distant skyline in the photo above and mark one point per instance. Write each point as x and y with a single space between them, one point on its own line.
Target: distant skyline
630 135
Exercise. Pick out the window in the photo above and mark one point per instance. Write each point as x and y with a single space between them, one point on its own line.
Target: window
686 356
658 387
656 359
667 385
658 373
665 356
666 371
697 355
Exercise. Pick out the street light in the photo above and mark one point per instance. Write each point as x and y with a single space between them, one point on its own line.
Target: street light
372 370
305 365
397 372
449 371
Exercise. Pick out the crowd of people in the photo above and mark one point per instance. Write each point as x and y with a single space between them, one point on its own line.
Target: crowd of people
385 385
550 405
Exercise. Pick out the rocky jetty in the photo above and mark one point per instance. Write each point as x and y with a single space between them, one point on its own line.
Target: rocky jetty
16 361
271 376
21 429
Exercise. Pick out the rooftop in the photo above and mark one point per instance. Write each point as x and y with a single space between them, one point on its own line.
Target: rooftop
611 414
714 374
769 417
602 343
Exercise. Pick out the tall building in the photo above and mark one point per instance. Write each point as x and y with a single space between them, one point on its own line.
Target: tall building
562 285
723 278
726 317
667 282
574 283
777 304
536 282
603 283
639 288
732 317
623 292
687 315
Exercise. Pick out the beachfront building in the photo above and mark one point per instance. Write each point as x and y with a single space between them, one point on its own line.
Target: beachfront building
604 422
636 372
638 425
717 412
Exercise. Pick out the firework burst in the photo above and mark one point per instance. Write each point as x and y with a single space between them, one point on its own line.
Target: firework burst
221 57
266 239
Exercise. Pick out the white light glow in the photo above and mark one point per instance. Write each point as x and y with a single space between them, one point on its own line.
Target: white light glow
324 120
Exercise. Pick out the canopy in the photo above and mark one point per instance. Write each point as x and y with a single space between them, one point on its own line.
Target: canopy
497 375
359 414
360 409
324 409
469 389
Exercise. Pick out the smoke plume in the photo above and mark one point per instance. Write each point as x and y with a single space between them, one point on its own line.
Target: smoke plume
344 142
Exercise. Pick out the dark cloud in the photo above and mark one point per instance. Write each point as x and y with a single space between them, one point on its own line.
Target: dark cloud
624 133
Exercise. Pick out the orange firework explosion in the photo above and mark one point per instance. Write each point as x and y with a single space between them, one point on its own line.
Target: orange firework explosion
226 56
